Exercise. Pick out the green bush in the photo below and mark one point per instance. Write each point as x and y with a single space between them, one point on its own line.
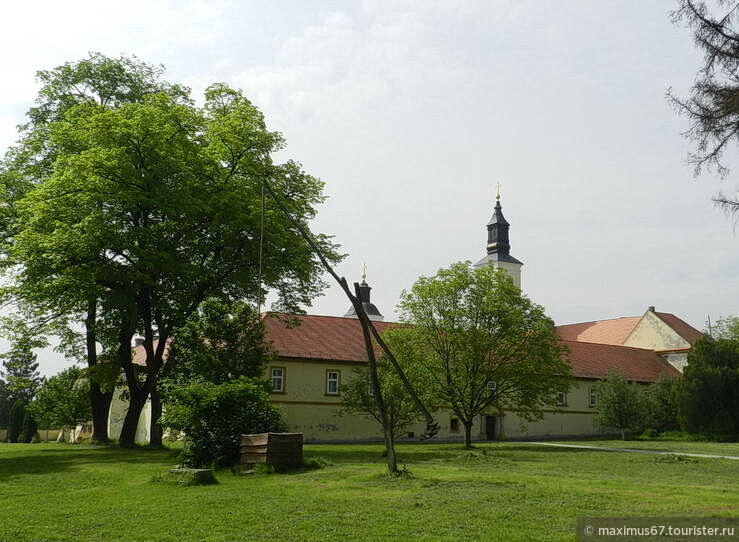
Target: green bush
708 393
661 404
15 420
29 428
214 416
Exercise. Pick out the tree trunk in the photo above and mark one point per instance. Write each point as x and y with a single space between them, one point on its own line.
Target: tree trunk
467 433
392 462
155 431
623 434
135 406
100 402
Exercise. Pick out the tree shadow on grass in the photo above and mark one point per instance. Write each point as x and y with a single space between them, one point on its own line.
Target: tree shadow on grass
19 459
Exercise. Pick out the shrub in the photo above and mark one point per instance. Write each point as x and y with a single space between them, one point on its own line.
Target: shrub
214 416
661 404
29 428
15 420
708 393
620 404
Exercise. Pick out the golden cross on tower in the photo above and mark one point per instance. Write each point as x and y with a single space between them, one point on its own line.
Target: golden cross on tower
364 271
497 196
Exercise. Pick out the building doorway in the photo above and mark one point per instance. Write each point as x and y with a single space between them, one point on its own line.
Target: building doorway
491 427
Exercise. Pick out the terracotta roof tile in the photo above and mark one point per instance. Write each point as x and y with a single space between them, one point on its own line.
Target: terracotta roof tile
332 338
591 360
682 328
612 331
318 337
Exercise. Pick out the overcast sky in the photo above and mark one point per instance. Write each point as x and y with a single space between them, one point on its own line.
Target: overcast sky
411 111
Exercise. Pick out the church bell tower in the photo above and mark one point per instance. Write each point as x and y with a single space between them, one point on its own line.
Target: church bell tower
499 246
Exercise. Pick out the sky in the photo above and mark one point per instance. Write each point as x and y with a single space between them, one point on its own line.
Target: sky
412 111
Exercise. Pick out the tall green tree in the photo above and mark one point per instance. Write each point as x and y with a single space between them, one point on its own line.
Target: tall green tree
726 328
708 393
489 347
56 303
358 395
145 205
713 104
63 400
6 402
661 404
20 369
219 343
15 420
621 404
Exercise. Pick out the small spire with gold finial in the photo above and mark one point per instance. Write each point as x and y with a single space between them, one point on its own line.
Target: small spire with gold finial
364 298
497 195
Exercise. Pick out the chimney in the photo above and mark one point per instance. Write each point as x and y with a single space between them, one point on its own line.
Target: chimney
651 309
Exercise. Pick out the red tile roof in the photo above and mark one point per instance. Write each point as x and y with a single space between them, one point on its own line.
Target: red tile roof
139 352
333 338
591 360
612 331
318 337
685 330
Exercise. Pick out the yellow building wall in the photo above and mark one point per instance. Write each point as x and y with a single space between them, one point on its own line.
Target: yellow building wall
308 409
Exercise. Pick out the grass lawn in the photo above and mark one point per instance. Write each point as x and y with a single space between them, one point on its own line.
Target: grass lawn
501 491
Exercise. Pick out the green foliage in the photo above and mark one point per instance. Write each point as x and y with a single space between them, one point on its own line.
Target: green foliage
29 428
220 342
357 395
621 404
726 328
660 404
20 368
6 401
214 416
708 394
63 400
124 195
485 345
15 421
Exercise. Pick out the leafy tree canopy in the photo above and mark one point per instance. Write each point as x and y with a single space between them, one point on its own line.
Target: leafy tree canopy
221 342
708 393
621 404
357 395
62 401
488 346
125 205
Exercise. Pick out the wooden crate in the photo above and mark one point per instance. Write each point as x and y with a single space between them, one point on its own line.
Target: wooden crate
283 450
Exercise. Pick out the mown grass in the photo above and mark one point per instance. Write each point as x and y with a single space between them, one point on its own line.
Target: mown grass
508 491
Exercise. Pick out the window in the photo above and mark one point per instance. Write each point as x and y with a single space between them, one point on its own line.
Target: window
453 425
277 376
593 398
561 398
332 382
